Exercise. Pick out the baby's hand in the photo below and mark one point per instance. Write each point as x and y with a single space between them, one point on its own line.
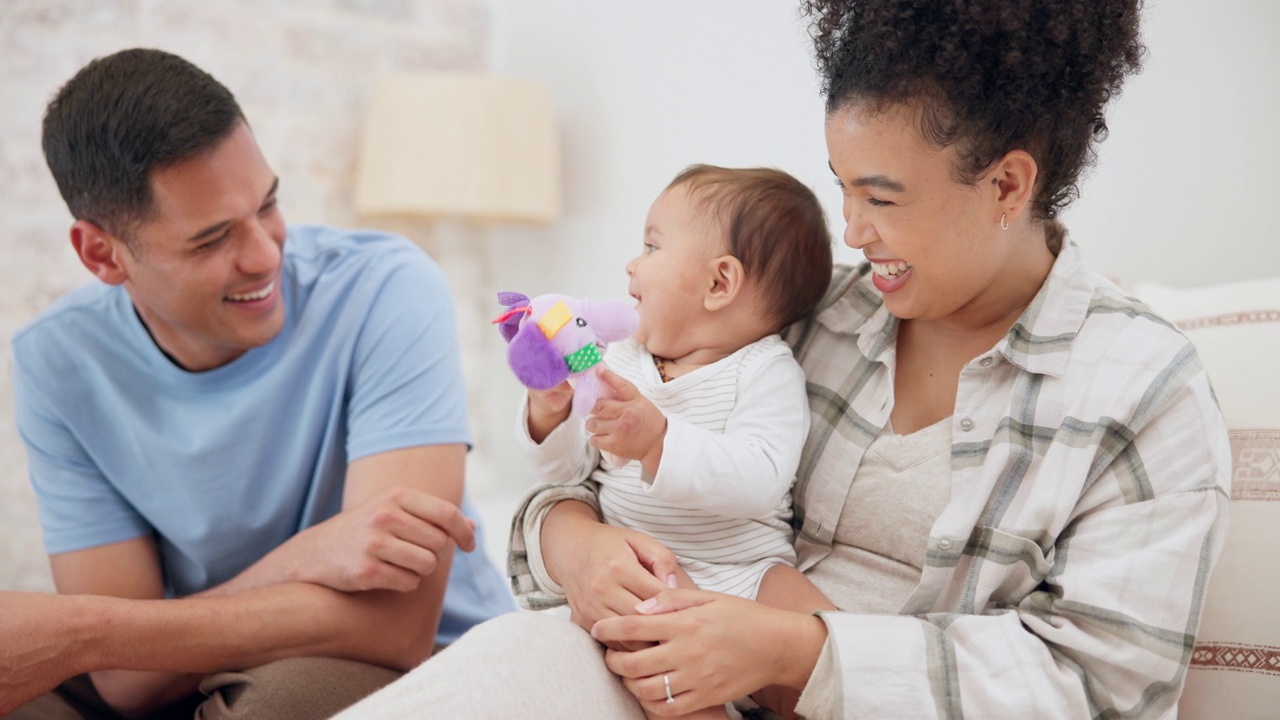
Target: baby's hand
630 426
547 409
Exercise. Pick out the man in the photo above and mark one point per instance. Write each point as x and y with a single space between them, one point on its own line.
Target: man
266 422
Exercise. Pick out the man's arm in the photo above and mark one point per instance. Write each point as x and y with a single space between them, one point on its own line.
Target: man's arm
49 638
397 530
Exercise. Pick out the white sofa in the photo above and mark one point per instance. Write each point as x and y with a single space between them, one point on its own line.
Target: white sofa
1235 667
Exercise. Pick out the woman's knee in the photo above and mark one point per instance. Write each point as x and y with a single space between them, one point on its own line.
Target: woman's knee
537 633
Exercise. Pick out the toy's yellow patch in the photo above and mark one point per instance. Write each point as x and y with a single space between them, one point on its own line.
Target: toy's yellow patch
554 319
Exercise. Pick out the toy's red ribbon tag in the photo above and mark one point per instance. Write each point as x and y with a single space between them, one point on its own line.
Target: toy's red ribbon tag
522 309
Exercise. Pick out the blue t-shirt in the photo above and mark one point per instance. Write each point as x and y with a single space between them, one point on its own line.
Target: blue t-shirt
224 465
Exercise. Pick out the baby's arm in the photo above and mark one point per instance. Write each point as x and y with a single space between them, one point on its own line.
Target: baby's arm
786 588
748 469
554 447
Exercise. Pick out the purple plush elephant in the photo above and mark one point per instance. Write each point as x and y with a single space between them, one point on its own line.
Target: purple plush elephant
553 338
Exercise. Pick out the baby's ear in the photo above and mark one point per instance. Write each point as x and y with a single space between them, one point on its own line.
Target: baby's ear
726 282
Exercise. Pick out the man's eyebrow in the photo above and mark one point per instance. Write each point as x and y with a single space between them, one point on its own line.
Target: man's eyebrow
876 181
219 227
211 230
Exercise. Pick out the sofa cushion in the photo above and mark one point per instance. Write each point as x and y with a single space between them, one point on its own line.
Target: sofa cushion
1235 667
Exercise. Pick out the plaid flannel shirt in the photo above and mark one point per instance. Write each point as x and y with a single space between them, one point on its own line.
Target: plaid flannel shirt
1089 491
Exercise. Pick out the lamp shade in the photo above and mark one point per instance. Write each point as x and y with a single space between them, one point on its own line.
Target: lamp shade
478 147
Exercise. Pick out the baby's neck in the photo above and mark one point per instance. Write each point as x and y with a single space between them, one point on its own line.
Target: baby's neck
708 354
720 333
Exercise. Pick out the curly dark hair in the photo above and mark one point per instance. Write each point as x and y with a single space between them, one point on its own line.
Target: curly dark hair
992 76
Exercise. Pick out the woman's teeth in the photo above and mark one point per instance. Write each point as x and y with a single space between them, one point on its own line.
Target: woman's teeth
890 269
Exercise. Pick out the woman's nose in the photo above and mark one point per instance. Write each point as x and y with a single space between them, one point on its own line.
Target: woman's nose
857 233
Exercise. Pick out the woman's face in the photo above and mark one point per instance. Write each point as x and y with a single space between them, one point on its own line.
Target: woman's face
936 246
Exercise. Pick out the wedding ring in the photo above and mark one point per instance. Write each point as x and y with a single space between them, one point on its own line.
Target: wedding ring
666 683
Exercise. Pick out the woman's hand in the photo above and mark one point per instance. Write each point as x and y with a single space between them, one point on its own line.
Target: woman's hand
605 571
712 648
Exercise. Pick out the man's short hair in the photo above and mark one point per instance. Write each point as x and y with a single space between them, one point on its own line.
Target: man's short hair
775 226
120 118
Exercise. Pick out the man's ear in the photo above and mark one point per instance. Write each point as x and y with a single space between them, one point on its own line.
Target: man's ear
727 279
1013 181
99 251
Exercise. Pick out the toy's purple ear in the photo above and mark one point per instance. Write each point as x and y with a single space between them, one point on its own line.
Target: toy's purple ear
612 320
535 362
508 325
509 322
511 299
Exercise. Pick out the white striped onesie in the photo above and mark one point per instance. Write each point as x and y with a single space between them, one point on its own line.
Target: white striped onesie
721 498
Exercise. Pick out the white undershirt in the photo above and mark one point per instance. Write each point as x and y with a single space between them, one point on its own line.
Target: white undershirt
898 492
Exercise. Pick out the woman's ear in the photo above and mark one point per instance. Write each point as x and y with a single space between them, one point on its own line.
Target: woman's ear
1013 179
727 279
99 251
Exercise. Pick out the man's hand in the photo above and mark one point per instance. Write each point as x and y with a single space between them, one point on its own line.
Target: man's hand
630 426
390 542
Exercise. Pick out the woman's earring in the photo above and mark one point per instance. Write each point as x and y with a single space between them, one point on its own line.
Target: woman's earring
1003 224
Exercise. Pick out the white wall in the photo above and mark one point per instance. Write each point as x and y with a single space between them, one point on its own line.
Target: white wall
1186 187
1182 194
644 89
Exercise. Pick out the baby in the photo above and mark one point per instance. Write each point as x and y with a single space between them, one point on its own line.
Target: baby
712 411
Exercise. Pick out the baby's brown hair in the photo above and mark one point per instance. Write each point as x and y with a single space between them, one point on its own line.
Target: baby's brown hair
775 226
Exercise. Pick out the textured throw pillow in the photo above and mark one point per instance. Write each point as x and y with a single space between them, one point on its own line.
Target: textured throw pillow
1235 668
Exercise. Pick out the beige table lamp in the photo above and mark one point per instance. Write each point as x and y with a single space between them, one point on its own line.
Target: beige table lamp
443 159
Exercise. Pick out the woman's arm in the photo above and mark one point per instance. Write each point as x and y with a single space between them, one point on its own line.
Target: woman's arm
1098 618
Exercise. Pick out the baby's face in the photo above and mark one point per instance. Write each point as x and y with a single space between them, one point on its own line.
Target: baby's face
672 275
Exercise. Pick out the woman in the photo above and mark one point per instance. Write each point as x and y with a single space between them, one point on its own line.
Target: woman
1017 478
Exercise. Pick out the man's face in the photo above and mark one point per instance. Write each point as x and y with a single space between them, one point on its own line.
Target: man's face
204 272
